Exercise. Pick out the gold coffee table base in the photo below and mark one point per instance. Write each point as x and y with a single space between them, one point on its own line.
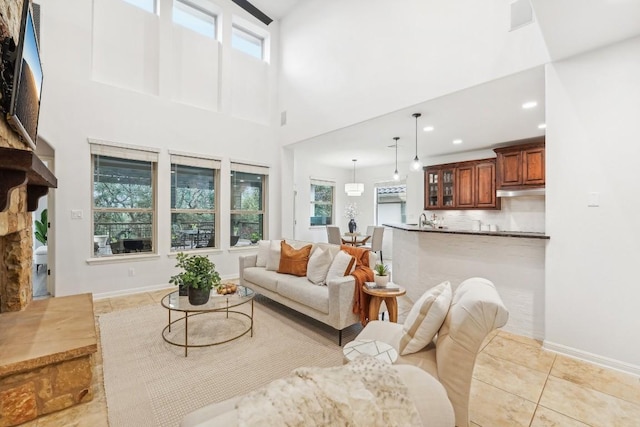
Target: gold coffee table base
220 304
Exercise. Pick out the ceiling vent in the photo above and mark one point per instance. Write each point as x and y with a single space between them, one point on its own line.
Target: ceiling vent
521 14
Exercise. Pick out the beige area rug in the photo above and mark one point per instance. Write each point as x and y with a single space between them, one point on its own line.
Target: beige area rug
149 382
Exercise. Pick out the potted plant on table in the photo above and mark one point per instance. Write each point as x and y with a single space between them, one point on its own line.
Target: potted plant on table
198 277
381 276
255 236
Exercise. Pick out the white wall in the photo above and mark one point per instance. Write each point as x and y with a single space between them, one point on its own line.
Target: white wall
348 61
85 97
592 290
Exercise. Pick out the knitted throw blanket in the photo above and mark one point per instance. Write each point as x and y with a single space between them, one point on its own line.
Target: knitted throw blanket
366 392
361 274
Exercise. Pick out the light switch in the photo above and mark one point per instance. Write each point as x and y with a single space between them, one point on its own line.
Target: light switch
594 200
76 213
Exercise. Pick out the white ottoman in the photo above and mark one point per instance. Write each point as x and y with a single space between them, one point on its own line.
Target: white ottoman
40 257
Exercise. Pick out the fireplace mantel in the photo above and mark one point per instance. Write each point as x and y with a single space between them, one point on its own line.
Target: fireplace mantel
19 167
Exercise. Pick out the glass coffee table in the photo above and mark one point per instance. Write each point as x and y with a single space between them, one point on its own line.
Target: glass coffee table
225 305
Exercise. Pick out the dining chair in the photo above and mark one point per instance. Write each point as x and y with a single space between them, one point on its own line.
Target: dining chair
374 244
333 235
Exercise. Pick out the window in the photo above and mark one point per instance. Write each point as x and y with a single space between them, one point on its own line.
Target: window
194 183
322 202
123 200
247 42
194 17
248 200
146 5
391 203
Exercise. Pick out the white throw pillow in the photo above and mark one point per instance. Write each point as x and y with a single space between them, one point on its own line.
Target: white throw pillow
318 266
273 262
342 265
425 318
263 253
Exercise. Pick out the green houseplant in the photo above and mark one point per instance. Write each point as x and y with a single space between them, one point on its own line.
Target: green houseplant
382 274
41 227
255 236
198 277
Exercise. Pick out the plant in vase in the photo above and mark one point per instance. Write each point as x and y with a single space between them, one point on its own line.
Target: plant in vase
254 237
381 276
198 277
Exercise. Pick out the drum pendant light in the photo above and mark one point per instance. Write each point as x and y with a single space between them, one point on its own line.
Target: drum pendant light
354 188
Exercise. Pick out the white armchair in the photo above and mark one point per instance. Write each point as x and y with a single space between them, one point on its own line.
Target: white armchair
476 310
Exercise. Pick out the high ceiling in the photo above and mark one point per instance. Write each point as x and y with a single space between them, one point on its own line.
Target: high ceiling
482 116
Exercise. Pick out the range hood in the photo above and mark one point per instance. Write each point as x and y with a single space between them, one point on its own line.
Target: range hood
519 193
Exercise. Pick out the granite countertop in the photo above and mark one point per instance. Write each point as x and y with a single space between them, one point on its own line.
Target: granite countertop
521 234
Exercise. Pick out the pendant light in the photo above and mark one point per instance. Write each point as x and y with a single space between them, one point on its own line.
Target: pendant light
416 161
396 176
354 188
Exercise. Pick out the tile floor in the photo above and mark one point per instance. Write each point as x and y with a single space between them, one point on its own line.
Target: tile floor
516 383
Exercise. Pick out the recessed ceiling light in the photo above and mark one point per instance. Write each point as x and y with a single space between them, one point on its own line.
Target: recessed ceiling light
457 141
529 104
427 128
542 126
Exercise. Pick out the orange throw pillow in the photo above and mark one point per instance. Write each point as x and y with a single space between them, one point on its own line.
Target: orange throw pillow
293 261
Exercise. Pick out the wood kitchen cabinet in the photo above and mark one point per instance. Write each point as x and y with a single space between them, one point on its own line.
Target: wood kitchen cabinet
463 185
521 165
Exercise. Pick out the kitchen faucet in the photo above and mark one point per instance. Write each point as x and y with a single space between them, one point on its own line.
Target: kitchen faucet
421 222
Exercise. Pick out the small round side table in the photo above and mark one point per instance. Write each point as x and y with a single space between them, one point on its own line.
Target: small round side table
389 298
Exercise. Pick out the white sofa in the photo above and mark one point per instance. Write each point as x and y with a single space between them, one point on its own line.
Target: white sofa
331 304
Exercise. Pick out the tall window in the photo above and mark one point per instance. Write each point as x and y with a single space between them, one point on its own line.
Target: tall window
391 203
194 17
248 200
147 5
247 42
194 183
124 206
322 200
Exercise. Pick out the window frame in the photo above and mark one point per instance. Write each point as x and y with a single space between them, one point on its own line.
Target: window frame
190 6
263 171
250 34
154 11
317 182
133 153
202 162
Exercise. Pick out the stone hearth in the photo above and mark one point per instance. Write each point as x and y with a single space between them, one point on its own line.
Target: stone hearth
47 357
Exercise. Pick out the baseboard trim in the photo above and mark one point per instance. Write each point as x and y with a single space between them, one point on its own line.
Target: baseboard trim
605 362
142 289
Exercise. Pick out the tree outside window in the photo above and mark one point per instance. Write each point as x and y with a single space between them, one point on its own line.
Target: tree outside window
123 205
321 203
247 207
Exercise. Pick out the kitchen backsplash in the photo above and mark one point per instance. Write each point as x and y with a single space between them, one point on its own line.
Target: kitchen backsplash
517 214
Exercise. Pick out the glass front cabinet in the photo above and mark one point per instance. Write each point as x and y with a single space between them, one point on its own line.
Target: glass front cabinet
440 188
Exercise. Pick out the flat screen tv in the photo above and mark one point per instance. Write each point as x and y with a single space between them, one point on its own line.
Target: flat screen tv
24 106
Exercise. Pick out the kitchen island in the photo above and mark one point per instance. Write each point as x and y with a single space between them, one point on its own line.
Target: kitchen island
513 261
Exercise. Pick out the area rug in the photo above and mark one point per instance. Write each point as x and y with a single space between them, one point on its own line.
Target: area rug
149 382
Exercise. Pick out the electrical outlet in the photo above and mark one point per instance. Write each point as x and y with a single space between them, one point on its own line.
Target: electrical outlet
132 272
76 213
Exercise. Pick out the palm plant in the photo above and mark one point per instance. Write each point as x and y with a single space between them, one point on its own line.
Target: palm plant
42 227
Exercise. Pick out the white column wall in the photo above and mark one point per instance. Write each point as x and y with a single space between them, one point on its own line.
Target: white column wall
592 290
77 103
348 61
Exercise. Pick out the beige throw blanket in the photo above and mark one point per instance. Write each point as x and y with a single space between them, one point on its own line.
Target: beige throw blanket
366 392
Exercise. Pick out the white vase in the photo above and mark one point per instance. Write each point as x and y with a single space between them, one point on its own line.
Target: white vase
381 280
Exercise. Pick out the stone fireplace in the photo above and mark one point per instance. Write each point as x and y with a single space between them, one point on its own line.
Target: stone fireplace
46 346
